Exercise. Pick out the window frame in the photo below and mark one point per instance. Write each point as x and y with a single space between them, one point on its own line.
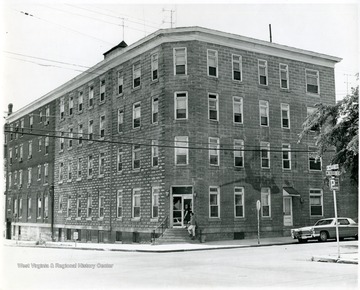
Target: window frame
285 108
179 143
120 83
102 93
101 212
316 160
79 168
265 191
286 147
154 110
263 64
91 96
309 72
216 59
90 166
154 153
80 101
136 193
211 148
175 62
264 105
239 62
89 206
176 96
136 111
119 203
101 164
239 150
136 74
213 98
265 146
71 105
136 156
240 192
154 66
238 100
102 127
316 192
119 159
284 68
120 120
155 202
217 205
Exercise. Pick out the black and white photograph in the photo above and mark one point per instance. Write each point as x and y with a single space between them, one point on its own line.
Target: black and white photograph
179 144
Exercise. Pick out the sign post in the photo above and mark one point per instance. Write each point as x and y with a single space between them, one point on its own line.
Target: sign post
332 170
258 206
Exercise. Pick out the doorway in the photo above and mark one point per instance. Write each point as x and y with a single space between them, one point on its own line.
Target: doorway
288 217
182 199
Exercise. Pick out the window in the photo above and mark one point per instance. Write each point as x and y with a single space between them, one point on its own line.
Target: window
71 105
120 120
31 122
316 202
15 207
263 72
284 76
310 111
214 146
68 206
10 179
90 166
181 150
11 132
16 152
154 153
60 202
101 206
46 173
47 115
314 160
214 201
181 105
136 204
21 152
78 207
15 177
30 149
39 173
136 115
212 62
20 207
90 130
91 96
46 206
10 156
102 127
102 91
265 154
39 143
312 81
80 134
238 153
69 170
79 168
22 127
61 140
155 202
80 101
213 107
20 177
41 115
46 145
136 75
89 206
101 164
265 202
29 175
180 61
120 83
119 203
39 207
264 113
286 157
239 201
71 136
155 110
136 156
154 67
61 171
285 116
237 67
120 160
238 110
29 207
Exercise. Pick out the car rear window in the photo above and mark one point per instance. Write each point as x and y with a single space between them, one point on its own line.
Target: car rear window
323 222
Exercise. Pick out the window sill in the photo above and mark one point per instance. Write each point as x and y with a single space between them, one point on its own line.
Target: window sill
214 219
266 218
239 82
119 219
288 129
69 180
137 219
70 148
101 176
60 182
266 87
68 218
284 90
239 218
120 95
136 89
213 77
60 211
136 170
89 177
78 219
264 126
154 220
313 95
101 102
80 112
154 81
89 218
100 219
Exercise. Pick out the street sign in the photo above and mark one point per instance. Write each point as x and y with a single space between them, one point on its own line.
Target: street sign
76 235
258 205
334 183
332 173
332 167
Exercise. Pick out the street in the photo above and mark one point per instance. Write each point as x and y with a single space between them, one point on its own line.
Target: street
265 267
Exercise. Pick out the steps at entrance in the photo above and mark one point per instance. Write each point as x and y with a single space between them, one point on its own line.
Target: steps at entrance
172 236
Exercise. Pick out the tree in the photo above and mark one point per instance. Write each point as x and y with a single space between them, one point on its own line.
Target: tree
337 127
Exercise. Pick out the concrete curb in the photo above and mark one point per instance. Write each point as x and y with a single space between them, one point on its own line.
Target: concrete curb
334 260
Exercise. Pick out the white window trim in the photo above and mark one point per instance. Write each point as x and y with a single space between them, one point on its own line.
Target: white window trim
133 118
236 100
174 59
120 152
240 66
175 105
152 200
153 111
262 104
288 149
119 193
218 201
318 81
269 194
133 203
88 166
266 72
120 112
154 143
265 145
217 107
100 157
239 147
187 150
318 160
133 74
120 81
133 157
91 96
89 205
321 194
217 150
153 68
242 193
102 90
287 75
217 63
285 107
102 126
101 197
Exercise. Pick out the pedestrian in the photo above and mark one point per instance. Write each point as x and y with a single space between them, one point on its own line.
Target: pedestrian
186 215
192 226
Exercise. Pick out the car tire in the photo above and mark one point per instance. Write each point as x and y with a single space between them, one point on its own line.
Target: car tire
323 236
301 241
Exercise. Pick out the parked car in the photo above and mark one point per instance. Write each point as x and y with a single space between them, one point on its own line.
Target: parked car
325 229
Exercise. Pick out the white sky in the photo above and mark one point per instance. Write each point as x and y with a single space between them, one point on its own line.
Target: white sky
80 32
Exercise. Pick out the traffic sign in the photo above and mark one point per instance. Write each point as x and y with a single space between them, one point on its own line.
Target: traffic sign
334 183
332 167
258 205
332 173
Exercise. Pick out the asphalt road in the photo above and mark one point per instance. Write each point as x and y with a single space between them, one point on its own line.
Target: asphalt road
265 267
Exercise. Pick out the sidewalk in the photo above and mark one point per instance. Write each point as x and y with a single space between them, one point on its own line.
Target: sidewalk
349 257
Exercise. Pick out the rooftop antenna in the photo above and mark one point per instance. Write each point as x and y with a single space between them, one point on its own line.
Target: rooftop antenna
171 16
270 32
123 27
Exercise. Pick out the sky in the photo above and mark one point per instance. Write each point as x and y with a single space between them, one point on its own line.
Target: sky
47 43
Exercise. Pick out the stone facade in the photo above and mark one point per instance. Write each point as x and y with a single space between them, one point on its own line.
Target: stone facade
188 83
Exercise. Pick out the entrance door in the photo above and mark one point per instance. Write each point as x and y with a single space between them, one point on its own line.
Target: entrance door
288 218
180 202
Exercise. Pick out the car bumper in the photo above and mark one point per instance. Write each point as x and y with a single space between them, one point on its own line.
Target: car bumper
304 236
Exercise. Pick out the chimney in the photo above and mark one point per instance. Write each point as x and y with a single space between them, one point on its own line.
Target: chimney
10 109
116 48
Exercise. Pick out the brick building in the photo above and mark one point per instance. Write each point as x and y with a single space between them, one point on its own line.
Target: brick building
187 116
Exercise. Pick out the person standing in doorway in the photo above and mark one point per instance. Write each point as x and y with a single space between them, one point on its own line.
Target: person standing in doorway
192 226
187 212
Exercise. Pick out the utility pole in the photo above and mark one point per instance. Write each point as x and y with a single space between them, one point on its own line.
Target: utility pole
171 17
